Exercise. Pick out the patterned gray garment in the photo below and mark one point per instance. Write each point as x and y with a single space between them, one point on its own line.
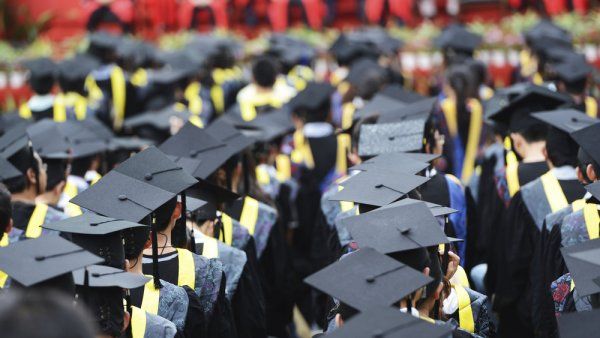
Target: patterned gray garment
535 199
158 327
208 281
233 261
173 304
484 326
557 218
52 215
241 236
573 230
342 232
331 209
267 217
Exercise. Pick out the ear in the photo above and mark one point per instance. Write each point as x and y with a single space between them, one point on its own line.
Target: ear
31 177
545 152
339 322
126 321
580 177
438 291
58 189
10 226
426 271
591 173
177 211
127 265
148 243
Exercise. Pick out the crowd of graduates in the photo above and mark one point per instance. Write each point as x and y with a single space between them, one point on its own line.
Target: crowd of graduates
202 192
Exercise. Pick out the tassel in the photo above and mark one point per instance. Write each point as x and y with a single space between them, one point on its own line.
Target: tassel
155 276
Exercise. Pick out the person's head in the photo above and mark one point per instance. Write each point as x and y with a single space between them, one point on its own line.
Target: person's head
459 85
57 172
264 72
423 260
587 168
6 221
561 149
41 84
106 307
36 314
135 240
433 140
479 71
344 312
80 166
34 179
167 214
355 138
528 135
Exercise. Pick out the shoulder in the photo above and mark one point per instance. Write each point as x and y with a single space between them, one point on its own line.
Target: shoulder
54 214
174 293
556 218
158 327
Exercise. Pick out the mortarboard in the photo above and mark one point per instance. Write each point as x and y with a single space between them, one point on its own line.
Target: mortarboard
76 69
381 322
100 276
37 260
401 136
366 279
377 188
84 137
312 97
568 120
196 144
421 107
395 158
572 69
588 139
104 40
399 162
399 93
378 105
544 27
15 147
91 224
516 114
158 119
457 37
235 140
583 262
401 228
436 209
364 68
7 170
48 140
41 71
265 127
578 324
167 76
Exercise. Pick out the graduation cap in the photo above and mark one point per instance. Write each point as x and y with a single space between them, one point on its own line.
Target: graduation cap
568 120
516 114
572 69
583 261
395 158
401 228
100 276
367 278
48 140
362 69
578 324
378 105
435 209
157 119
403 136
105 41
377 188
167 76
7 170
398 92
207 152
544 27
265 127
457 37
74 71
214 196
381 322
14 145
84 138
397 162
38 260
421 107
588 139
40 69
235 140
312 97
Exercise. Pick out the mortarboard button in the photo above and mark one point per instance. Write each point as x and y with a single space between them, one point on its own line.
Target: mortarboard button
567 120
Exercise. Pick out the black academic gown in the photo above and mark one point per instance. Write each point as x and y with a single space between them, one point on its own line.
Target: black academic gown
519 237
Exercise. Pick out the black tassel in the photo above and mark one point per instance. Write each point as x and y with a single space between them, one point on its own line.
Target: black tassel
155 276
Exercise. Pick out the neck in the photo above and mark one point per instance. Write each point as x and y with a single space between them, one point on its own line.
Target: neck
164 242
27 195
533 152
137 268
48 198
577 98
261 89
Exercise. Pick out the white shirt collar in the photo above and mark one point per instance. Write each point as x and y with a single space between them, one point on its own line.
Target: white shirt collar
41 102
566 172
317 129
413 311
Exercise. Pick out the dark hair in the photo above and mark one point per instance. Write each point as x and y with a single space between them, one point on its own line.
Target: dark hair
584 159
5 209
534 133
346 311
52 315
56 172
23 160
479 72
80 166
71 85
163 214
134 240
319 114
561 148
223 58
575 87
42 85
106 306
461 81
431 125
264 71
372 81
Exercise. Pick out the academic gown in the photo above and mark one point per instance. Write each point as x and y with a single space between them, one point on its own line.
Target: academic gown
147 325
273 258
521 229
493 210
209 283
28 218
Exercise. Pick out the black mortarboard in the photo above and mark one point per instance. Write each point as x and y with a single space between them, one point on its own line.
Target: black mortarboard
402 228
193 204
398 92
100 276
391 158
377 188
7 170
572 69
265 127
312 97
362 69
103 40
197 144
40 69
559 55
83 138
457 37
76 69
583 262
167 76
421 107
15 147
91 224
366 279
568 120
398 162
378 105
48 140
588 139
401 136
235 140
382 322
544 27
578 324
157 119
211 193
436 209
37 260
516 115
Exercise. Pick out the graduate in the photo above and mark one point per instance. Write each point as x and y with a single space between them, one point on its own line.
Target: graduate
572 78
72 103
522 227
41 80
267 91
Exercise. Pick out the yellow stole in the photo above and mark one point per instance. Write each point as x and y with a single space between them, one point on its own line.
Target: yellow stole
34 226
187 269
